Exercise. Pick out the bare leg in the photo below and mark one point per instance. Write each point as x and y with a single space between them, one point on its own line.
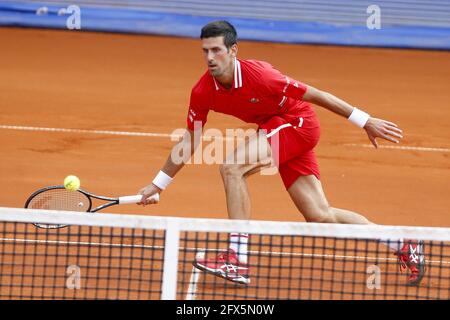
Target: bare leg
256 153
236 191
308 196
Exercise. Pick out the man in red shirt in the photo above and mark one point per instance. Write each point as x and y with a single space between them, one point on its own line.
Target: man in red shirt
255 92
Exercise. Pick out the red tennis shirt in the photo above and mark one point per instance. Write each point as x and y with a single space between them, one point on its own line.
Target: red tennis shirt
259 92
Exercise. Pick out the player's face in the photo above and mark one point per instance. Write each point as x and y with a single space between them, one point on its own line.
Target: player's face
218 58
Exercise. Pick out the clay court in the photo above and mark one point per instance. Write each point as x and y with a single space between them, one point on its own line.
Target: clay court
100 82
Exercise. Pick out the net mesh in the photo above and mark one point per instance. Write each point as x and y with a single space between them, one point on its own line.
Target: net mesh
80 262
104 256
305 267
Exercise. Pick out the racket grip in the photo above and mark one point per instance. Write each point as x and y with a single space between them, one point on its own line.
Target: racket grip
136 198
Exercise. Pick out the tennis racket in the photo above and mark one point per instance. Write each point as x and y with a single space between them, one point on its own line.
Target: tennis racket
59 198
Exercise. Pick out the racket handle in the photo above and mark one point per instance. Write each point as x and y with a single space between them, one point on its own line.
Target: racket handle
136 198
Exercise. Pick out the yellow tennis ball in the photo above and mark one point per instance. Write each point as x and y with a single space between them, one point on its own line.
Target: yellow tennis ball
72 183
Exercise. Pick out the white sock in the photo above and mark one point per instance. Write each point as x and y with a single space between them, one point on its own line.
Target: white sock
239 244
395 245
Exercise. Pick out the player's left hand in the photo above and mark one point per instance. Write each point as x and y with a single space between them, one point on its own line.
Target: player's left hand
379 128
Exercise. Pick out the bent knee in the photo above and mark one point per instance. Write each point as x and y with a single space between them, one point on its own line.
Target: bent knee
241 170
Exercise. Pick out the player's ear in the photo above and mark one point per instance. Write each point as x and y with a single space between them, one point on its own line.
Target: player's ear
234 50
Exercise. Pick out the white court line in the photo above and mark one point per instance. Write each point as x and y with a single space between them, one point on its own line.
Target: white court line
100 132
193 280
82 243
203 250
110 132
206 137
409 148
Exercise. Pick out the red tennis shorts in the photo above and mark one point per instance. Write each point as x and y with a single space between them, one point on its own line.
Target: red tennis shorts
292 145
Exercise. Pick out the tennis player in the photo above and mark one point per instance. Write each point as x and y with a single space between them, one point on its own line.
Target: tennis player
256 92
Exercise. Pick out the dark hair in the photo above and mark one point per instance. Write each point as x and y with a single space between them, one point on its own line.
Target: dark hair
220 28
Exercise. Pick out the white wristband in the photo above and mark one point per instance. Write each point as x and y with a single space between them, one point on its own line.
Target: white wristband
162 180
359 117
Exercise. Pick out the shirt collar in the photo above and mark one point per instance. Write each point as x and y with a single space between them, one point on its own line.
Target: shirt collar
237 74
237 83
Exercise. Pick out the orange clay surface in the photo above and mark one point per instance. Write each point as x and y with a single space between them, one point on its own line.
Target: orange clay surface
142 83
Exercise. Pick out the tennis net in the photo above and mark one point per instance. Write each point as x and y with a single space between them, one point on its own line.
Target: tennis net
112 256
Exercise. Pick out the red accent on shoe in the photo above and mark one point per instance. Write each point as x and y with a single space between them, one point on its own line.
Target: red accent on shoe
225 265
411 256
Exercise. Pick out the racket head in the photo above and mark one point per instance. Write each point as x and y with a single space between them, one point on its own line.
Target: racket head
58 198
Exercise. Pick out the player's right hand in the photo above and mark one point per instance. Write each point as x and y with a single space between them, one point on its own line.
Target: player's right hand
147 192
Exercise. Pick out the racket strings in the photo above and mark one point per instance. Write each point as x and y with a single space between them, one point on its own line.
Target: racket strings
60 199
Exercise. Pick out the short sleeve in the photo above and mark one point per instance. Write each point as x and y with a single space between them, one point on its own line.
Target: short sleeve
280 84
198 111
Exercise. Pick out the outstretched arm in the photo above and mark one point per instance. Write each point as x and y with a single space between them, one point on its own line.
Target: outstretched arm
375 128
179 155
